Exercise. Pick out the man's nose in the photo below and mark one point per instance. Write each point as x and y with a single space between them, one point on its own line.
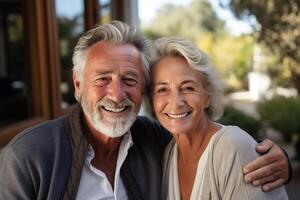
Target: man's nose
115 91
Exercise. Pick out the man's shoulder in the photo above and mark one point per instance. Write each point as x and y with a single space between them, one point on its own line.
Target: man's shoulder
35 137
143 123
148 129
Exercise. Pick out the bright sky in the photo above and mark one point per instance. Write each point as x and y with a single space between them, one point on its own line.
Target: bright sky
148 8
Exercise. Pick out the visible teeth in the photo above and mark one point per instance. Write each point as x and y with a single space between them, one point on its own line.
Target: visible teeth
177 116
114 109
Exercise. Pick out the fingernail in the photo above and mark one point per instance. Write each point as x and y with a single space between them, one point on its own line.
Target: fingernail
265 188
256 182
248 178
246 170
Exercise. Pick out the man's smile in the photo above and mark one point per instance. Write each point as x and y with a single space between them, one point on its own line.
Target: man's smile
114 110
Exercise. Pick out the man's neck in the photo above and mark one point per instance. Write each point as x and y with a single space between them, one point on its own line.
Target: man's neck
106 152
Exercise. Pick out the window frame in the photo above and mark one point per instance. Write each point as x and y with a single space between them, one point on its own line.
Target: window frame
42 57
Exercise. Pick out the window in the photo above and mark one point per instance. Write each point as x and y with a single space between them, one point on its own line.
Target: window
15 81
37 39
104 11
70 17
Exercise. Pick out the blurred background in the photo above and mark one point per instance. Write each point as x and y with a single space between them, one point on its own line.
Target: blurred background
254 45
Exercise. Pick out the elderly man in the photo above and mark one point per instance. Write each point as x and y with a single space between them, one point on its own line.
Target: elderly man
102 150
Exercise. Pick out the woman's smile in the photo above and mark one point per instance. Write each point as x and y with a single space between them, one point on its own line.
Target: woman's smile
178 116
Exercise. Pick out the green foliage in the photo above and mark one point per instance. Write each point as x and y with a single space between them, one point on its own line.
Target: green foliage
278 20
281 113
187 21
151 34
278 28
231 55
236 117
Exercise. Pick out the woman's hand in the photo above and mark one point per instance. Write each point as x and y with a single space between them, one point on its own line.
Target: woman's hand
270 170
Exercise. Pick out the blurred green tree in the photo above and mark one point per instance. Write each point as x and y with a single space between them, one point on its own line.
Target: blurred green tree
187 21
283 114
197 21
278 27
232 56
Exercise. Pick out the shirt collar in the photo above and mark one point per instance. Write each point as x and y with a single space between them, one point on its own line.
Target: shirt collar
125 145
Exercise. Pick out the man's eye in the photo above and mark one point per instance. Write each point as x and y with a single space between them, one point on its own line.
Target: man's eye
102 81
130 81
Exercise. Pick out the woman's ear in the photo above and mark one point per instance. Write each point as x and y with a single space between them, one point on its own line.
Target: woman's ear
207 101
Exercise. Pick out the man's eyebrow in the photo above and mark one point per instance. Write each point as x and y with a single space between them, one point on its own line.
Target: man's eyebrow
102 72
131 73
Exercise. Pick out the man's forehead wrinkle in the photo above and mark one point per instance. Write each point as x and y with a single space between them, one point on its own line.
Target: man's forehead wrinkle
111 57
118 60
110 71
105 47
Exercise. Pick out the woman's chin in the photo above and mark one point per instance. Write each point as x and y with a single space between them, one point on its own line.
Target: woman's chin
176 130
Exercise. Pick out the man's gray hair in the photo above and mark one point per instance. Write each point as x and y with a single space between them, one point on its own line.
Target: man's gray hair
117 33
197 60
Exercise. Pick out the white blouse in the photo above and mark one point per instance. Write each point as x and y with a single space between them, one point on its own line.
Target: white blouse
174 189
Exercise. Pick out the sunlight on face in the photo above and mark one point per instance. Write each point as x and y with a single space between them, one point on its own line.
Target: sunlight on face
111 92
178 95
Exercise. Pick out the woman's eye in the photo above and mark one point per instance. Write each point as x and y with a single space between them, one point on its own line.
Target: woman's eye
161 90
188 89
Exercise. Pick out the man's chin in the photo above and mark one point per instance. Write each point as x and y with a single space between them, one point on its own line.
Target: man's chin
111 130
113 127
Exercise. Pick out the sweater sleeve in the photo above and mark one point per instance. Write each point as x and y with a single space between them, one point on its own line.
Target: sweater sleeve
15 180
232 151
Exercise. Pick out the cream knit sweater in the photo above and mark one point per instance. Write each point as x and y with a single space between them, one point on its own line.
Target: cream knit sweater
230 150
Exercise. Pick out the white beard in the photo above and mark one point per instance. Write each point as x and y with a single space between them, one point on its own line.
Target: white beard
110 126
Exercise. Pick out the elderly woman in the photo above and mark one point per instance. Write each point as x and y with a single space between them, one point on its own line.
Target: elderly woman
205 159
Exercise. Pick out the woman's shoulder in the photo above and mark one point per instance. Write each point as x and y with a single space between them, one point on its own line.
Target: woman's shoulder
233 135
233 141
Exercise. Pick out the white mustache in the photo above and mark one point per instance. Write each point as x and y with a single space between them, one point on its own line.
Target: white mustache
112 104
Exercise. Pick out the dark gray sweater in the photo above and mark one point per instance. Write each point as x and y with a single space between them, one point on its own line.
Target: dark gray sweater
45 162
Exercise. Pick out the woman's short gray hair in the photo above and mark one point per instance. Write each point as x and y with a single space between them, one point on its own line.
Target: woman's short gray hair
197 60
115 32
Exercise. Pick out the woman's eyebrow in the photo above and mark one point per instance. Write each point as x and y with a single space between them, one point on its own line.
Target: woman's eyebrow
160 83
187 81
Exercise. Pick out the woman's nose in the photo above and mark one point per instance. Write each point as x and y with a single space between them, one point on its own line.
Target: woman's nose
176 99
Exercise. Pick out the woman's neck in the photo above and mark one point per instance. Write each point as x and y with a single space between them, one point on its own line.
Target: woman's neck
192 145
190 149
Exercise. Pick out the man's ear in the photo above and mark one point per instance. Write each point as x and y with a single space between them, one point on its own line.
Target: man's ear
77 85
